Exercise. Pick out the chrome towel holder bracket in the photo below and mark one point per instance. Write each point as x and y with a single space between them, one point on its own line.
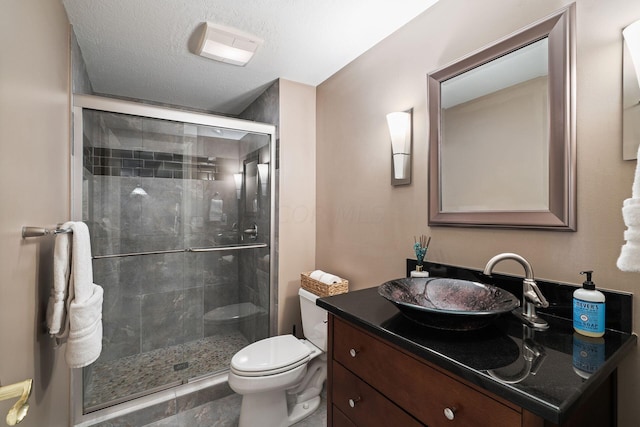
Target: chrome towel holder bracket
41 231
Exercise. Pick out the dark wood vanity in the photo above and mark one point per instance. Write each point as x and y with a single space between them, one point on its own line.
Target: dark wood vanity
372 382
384 370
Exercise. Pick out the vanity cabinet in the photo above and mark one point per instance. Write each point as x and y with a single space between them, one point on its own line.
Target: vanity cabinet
372 382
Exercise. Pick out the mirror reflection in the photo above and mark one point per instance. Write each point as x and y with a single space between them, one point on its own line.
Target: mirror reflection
482 110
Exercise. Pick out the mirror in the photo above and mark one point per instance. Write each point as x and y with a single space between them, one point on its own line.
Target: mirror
502 132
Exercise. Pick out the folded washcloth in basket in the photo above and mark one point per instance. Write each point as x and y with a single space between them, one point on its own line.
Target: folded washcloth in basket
325 278
330 279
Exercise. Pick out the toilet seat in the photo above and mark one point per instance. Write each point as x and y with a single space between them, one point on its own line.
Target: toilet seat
270 356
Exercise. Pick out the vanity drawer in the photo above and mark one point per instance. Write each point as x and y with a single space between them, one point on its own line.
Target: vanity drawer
363 405
421 390
340 419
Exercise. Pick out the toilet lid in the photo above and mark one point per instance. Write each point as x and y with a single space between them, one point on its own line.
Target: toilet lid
270 355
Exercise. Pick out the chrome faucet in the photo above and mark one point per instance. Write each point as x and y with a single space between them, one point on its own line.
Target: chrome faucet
533 354
531 295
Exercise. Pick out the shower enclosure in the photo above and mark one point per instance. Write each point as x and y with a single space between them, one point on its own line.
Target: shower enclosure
180 207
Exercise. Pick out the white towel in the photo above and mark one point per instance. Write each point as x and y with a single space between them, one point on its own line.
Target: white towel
629 259
56 311
330 279
84 343
83 299
323 277
316 274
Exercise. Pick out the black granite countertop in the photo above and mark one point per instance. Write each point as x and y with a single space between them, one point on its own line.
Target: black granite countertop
566 367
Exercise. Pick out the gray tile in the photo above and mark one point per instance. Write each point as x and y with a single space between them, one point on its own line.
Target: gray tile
224 412
145 416
192 314
161 323
109 380
203 396
121 327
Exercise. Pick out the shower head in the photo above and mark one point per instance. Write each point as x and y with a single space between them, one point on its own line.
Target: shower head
19 410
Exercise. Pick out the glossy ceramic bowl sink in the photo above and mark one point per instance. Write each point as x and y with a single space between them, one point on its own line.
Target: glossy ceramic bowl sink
450 304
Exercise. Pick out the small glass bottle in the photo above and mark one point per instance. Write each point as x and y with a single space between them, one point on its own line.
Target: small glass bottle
418 272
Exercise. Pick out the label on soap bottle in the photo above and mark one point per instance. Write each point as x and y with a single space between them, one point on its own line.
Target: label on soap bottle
588 316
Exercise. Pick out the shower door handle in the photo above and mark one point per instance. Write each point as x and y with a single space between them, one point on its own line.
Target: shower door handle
252 232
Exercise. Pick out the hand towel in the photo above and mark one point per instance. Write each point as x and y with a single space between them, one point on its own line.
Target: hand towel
84 303
629 259
316 274
56 312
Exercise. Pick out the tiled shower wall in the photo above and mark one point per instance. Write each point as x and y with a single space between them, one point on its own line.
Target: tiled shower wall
154 301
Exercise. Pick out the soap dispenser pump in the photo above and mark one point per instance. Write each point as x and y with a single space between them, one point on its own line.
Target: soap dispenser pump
588 309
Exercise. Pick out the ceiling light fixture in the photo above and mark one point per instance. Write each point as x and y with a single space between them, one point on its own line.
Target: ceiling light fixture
226 44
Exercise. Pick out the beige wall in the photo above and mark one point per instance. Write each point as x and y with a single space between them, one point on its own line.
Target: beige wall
365 227
34 172
297 205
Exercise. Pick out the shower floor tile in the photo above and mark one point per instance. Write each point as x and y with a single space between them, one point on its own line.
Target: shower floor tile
130 376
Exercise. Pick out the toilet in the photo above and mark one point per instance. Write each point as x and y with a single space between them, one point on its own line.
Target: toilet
280 378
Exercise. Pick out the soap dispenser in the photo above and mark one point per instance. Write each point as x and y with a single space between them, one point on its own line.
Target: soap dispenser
588 309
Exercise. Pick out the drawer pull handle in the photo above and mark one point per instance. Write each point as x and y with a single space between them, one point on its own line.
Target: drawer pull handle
352 402
450 413
353 352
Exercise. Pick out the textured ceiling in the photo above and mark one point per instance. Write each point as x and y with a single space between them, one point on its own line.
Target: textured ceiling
143 48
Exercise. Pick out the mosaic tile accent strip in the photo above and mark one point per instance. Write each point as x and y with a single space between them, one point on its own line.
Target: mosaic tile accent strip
149 164
113 380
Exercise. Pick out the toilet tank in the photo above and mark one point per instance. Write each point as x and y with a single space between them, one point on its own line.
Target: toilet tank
314 319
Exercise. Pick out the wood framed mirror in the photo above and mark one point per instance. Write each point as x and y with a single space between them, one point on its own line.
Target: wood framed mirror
502 132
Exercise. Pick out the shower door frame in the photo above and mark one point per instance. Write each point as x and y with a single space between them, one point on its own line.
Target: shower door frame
113 105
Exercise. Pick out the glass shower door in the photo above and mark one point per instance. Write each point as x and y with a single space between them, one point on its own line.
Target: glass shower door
180 219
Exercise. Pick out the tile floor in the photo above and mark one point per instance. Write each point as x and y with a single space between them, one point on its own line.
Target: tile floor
225 412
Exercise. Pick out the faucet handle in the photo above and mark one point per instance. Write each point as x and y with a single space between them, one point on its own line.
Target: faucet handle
534 295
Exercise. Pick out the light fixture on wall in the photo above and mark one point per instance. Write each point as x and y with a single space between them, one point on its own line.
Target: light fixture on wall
238 179
400 130
138 191
631 92
631 36
263 173
226 44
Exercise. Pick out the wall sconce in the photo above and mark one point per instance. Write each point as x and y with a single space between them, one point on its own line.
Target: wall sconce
631 36
400 131
631 91
263 173
238 179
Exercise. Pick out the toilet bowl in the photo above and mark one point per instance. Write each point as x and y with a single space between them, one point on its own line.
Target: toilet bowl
269 371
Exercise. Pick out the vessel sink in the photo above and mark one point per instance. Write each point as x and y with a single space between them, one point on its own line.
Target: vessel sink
449 304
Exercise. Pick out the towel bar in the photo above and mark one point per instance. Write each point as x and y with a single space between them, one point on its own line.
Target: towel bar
41 231
175 251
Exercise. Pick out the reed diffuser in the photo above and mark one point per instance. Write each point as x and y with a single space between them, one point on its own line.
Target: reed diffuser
420 247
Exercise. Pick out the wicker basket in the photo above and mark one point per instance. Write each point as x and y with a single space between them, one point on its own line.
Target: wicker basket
323 289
